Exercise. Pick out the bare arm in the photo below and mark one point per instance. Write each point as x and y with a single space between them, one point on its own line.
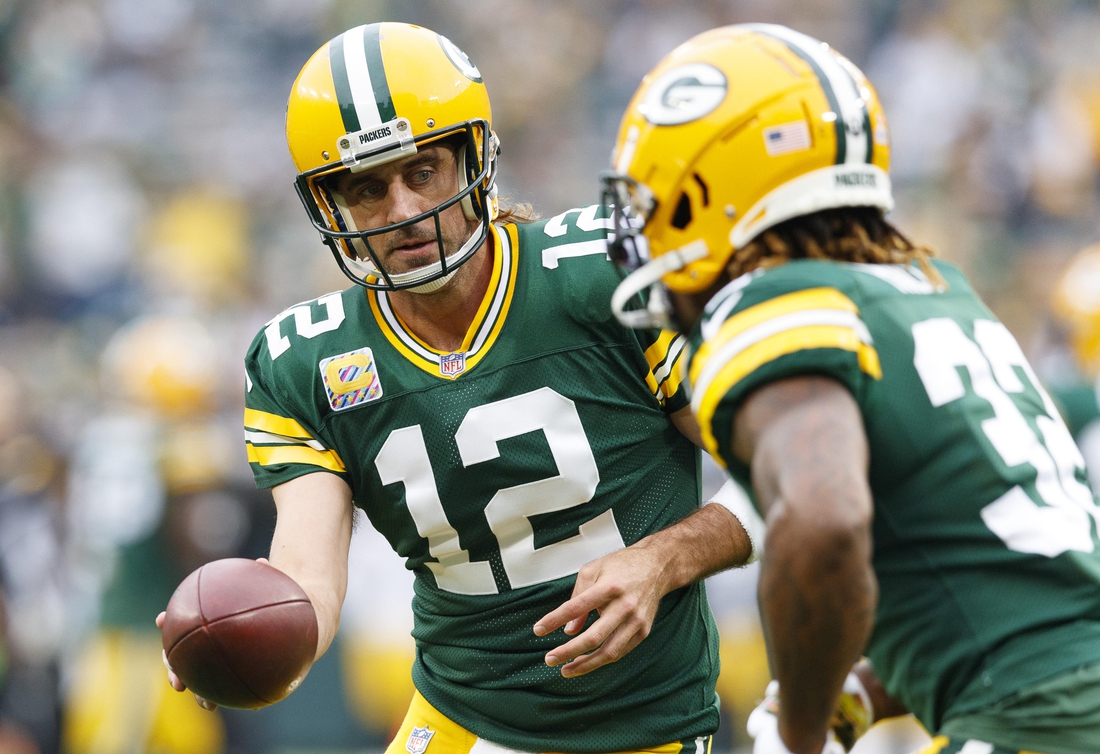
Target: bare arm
310 544
626 587
684 421
805 442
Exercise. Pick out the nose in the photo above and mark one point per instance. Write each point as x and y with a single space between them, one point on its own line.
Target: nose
403 202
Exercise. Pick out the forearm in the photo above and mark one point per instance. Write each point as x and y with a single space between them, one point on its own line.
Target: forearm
817 590
325 593
709 540
817 597
310 544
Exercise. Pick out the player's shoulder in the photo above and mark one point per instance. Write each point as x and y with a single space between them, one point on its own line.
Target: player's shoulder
565 257
811 284
567 243
300 334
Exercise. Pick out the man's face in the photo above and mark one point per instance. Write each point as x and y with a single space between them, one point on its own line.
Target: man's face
403 189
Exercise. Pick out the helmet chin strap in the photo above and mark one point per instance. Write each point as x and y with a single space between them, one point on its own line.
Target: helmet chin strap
435 285
648 277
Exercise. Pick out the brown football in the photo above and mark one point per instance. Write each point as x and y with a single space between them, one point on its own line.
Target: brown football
240 633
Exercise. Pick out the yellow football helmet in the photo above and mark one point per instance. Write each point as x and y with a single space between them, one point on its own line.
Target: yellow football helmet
735 131
373 95
163 363
1077 304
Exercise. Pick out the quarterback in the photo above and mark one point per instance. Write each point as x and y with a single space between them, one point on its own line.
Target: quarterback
474 395
925 503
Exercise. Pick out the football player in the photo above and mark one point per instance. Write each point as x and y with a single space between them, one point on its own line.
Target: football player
473 394
1076 304
924 500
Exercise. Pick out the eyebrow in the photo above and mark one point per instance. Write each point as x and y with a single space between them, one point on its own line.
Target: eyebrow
431 154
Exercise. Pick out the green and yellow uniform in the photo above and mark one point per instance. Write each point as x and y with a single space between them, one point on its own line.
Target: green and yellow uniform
984 526
497 472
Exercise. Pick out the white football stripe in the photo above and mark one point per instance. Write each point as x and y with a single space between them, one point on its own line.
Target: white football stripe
267 438
498 296
852 107
757 333
362 90
666 369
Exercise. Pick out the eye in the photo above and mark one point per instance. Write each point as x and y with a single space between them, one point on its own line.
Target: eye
372 190
422 176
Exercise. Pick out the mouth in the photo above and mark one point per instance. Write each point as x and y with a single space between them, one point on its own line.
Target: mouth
415 248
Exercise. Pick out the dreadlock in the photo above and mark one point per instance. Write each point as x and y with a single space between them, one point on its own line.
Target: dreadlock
845 234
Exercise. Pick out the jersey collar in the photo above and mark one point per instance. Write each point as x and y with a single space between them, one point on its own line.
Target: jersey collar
483 330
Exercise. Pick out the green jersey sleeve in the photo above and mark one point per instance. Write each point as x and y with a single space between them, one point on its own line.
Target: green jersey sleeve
282 441
573 248
769 326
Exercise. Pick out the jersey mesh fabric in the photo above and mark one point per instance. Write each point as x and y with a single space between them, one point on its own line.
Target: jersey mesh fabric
478 660
963 618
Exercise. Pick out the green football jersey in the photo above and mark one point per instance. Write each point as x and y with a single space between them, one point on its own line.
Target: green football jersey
497 472
984 526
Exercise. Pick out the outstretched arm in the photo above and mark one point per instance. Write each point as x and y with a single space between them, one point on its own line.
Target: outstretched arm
310 544
805 442
311 541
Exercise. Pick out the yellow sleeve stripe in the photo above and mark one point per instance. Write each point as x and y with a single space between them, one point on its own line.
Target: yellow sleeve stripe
275 424
274 455
745 362
809 299
658 352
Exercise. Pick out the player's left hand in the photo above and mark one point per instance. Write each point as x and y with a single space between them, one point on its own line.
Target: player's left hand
625 587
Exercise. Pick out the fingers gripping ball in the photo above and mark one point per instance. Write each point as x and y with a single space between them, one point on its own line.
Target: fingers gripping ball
240 633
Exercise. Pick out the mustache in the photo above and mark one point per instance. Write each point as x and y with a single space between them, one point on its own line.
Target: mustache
411 235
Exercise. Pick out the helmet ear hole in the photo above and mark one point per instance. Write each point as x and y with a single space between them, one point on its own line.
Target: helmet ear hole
681 218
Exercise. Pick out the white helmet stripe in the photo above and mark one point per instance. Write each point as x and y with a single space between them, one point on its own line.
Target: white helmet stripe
359 80
853 137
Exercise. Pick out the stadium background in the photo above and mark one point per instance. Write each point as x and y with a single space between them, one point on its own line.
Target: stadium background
148 228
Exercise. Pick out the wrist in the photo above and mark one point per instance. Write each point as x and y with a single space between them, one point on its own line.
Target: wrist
669 557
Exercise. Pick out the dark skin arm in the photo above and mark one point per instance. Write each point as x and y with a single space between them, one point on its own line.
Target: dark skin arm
805 442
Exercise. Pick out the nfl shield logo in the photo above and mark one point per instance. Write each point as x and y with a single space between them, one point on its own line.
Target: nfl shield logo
419 740
452 364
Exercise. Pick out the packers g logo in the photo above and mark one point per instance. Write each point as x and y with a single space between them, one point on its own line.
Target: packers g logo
684 94
460 59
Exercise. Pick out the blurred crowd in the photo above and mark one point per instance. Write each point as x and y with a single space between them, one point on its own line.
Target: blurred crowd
148 228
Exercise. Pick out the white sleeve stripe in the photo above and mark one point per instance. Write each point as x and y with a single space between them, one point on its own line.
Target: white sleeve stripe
757 333
267 438
670 360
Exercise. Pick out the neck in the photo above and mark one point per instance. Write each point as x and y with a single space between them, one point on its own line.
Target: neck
442 318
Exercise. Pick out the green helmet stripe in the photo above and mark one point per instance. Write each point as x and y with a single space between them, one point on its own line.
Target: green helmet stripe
827 87
372 48
343 87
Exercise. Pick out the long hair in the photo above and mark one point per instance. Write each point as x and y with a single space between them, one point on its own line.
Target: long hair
520 212
845 234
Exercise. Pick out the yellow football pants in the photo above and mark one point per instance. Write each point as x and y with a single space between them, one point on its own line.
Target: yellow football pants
448 737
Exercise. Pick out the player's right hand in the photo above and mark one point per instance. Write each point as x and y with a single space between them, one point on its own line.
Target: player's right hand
173 679
763 727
